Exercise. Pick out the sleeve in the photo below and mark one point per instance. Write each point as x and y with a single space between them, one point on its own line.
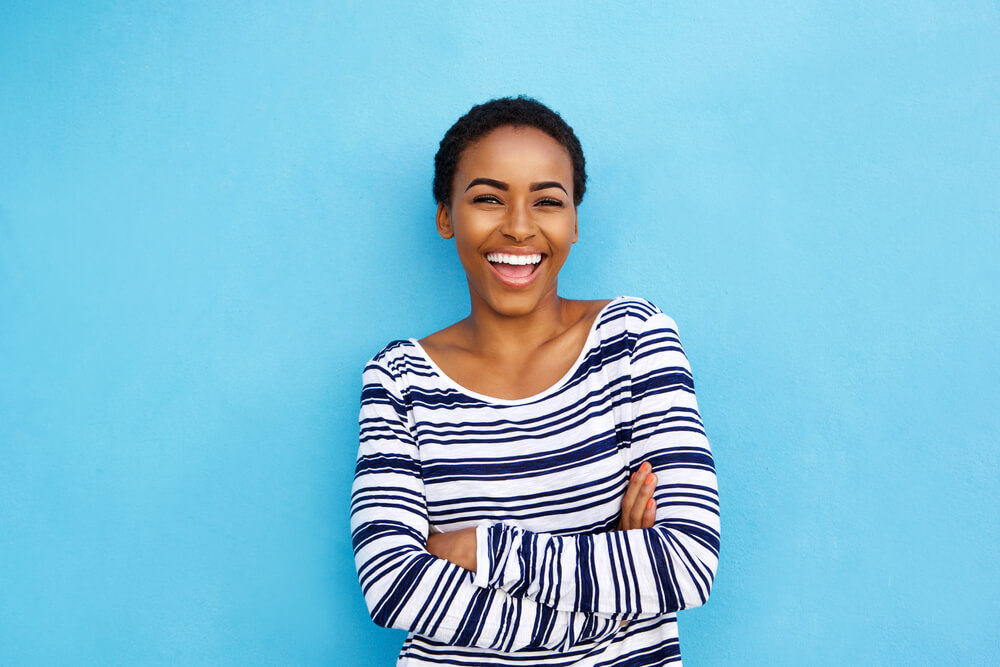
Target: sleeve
406 587
658 570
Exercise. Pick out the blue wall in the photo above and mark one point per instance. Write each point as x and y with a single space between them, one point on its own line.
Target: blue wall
210 217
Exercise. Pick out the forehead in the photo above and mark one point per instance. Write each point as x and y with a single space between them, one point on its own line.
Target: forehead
516 153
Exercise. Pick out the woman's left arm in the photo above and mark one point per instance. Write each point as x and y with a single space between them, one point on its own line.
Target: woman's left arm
668 567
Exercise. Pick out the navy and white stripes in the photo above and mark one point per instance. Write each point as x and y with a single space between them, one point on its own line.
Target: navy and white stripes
542 479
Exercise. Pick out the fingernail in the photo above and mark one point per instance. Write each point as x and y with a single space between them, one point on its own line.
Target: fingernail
649 504
650 479
645 467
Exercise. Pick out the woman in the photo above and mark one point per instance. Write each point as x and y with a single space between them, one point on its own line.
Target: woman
534 485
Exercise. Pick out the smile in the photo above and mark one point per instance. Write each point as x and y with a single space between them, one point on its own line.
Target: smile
515 270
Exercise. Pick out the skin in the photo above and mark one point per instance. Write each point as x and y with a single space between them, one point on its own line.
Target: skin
513 193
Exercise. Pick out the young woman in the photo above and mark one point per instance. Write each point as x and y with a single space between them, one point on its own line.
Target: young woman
534 485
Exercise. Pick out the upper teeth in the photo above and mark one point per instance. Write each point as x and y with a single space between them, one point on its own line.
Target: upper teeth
504 258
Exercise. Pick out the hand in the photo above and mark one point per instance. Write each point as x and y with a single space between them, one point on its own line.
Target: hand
638 505
458 547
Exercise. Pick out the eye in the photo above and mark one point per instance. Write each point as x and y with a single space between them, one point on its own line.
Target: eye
485 199
549 202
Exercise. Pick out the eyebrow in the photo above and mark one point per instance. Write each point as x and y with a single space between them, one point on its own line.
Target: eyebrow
500 185
547 184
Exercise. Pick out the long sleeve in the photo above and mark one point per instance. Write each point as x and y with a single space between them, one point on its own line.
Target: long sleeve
668 567
406 587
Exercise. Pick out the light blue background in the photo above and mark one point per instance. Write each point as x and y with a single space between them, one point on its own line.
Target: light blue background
212 216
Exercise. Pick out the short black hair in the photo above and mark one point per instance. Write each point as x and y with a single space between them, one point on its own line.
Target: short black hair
483 118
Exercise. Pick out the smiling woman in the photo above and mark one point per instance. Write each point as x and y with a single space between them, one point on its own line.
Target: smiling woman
511 207
534 485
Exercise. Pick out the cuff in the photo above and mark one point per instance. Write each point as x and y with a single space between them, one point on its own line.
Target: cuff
482 575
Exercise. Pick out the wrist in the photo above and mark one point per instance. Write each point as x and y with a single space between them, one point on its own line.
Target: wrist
468 549
457 547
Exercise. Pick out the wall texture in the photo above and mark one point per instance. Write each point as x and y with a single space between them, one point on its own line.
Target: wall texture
212 214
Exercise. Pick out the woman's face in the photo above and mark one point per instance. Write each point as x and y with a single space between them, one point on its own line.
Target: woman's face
512 217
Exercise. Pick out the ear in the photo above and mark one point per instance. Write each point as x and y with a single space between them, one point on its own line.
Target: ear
576 234
443 219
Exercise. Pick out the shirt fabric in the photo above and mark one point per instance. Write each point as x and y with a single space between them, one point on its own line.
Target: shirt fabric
542 479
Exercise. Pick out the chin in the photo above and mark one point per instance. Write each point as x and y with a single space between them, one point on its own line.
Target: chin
516 309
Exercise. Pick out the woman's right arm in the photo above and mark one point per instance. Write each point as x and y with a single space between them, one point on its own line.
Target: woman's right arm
404 586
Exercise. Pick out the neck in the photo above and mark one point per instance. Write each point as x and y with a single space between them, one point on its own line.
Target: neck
497 334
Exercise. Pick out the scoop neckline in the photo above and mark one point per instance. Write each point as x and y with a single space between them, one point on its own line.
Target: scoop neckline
587 345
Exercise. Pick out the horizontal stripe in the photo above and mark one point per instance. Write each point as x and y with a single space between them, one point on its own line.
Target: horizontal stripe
543 478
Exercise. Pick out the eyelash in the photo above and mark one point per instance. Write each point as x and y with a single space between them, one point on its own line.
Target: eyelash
491 199
485 199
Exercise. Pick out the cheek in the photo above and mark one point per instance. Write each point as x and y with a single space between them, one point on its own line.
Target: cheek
562 236
468 253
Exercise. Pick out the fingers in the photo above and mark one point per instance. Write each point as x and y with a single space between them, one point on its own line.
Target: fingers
631 493
638 506
649 516
643 500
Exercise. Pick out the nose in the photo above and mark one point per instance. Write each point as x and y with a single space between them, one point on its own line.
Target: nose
518 225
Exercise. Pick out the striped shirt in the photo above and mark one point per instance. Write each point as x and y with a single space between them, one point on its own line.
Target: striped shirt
542 479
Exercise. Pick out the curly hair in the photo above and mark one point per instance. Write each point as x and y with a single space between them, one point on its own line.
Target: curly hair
483 118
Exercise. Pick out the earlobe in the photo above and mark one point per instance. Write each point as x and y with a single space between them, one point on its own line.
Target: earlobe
443 220
576 234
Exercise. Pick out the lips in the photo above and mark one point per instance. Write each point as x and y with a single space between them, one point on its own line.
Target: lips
515 270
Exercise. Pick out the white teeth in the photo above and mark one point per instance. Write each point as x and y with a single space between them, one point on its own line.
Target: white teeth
504 258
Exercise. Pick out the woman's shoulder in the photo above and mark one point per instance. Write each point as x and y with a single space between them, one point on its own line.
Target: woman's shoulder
632 312
397 358
448 339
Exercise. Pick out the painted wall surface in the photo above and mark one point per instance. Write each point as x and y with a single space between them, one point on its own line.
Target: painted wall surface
212 214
